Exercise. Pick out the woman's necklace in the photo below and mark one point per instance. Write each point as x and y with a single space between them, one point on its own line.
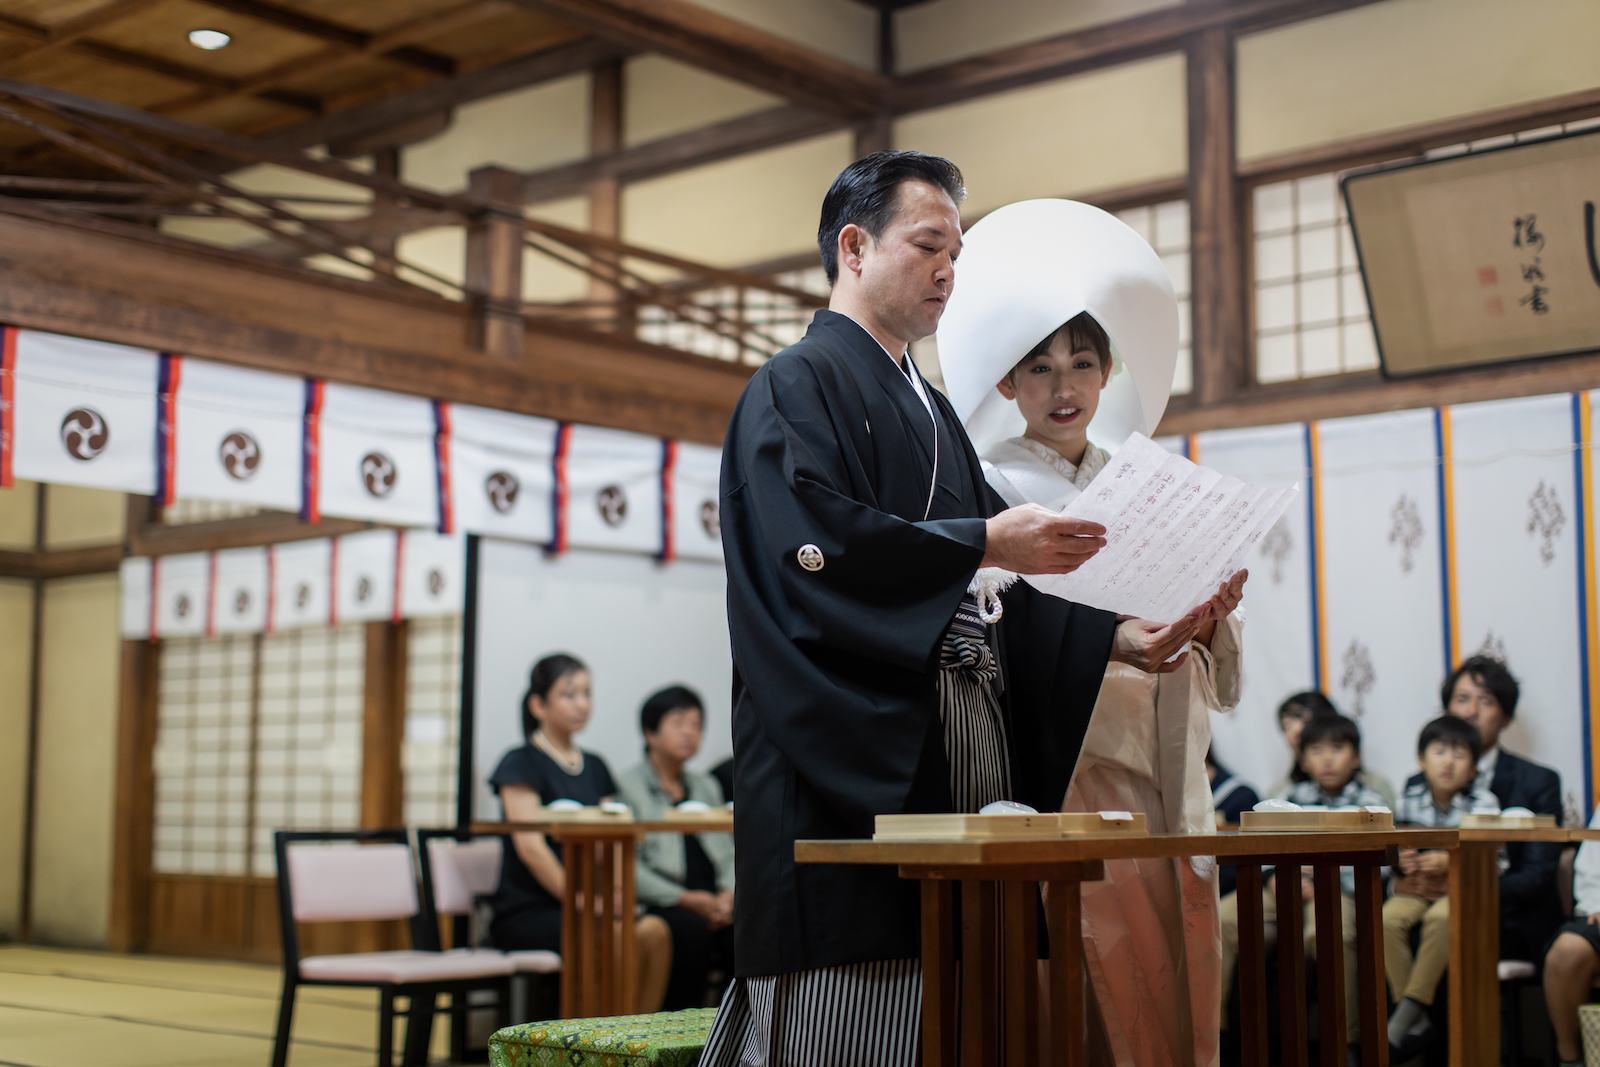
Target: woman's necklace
570 764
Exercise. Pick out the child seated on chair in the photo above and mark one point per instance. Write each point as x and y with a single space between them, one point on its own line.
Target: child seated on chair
1447 751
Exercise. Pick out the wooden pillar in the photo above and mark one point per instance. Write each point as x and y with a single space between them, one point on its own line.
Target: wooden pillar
385 161
494 261
605 194
383 726
134 819
876 134
1216 219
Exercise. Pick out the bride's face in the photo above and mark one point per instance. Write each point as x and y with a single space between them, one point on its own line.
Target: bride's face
1057 392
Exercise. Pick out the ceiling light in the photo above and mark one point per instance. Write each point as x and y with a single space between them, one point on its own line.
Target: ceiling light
210 40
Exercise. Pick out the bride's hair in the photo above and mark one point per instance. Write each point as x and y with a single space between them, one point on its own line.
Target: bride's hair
1082 332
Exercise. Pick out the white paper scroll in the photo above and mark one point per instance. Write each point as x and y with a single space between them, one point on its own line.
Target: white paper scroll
1174 532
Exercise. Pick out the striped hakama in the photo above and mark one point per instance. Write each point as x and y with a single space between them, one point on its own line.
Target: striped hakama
869 1014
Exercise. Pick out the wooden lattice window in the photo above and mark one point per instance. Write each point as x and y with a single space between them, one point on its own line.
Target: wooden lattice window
433 720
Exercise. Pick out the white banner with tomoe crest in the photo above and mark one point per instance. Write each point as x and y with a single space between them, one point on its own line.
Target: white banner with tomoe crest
364 576
239 591
432 567
696 527
373 455
498 471
613 490
234 434
300 584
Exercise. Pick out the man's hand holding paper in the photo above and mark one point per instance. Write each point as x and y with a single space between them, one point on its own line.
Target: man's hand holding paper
1177 536
1029 539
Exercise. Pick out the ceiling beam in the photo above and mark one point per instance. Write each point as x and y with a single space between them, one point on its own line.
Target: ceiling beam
692 34
335 33
544 65
1107 44
70 30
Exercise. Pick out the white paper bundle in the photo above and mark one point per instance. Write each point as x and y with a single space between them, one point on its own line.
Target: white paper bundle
696 522
431 571
239 591
1174 532
236 434
134 582
363 576
499 472
83 412
301 584
182 594
613 490
375 456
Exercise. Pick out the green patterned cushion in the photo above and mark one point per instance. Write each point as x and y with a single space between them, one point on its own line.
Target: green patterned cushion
665 1039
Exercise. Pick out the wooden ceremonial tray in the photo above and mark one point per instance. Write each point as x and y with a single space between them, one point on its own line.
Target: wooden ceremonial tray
1314 821
589 814
1043 826
1508 822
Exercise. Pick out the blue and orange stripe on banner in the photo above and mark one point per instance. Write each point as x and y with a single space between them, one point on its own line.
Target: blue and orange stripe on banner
441 455
1447 538
669 469
1319 628
169 378
1588 630
8 401
558 489
311 454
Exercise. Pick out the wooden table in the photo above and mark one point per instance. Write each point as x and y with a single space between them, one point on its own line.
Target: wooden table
599 959
994 1018
1475 939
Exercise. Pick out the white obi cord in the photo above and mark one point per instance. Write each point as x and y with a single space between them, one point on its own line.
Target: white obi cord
986 587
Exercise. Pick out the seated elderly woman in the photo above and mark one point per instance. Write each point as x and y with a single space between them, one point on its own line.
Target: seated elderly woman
686 879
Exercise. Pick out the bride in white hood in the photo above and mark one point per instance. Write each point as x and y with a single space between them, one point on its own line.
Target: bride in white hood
1058 344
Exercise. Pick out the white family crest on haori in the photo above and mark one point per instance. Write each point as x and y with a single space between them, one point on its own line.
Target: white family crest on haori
82 412
234 434
1026 269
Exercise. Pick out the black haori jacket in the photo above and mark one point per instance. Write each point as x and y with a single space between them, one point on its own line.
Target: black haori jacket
836 715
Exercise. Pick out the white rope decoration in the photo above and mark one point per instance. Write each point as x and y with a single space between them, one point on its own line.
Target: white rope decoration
986 586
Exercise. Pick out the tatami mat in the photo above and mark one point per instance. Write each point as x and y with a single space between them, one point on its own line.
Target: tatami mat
64 1008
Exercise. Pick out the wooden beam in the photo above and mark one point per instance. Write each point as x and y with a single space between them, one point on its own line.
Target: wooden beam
545 65
335 33
133 830
1366 394
1411 141
494 264
1108 44
70 30
692 34
606 116
383 726
708 144
152 537
122 283
1216 223
62 563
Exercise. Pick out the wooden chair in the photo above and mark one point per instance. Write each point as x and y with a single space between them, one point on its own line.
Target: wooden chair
359 875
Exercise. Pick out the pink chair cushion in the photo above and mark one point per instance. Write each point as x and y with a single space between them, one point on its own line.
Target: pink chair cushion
1509 969
343 883
408 966
463 870
536 961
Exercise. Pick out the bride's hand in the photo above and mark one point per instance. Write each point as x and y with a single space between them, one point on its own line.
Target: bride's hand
1147 645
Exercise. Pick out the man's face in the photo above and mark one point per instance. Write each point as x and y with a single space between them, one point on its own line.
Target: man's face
907 273
1474 702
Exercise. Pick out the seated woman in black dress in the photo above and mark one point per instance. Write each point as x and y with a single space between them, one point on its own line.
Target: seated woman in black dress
550 767
687 879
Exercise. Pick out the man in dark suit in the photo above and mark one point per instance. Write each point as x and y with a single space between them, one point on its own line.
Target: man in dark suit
1484 693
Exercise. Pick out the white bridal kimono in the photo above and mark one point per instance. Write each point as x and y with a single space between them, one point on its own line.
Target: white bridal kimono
1151 939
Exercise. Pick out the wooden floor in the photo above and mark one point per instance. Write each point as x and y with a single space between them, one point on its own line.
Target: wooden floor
65 1008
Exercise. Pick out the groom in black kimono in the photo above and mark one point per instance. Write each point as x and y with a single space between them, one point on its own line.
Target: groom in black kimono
854 518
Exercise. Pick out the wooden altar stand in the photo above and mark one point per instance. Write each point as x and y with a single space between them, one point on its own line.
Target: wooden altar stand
599 960
992 1018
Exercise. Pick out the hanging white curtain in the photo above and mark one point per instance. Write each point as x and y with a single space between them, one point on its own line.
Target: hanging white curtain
80 412
1381 576
364 576
1278 630
232 434
613 490
239 591
372 455
301 584
134 583
182 594
696 527
1517 593
432 569
498 467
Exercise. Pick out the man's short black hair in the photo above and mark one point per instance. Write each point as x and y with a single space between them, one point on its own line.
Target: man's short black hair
672 698
867 193
1489 673
1310 703
1452 731
1330 728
